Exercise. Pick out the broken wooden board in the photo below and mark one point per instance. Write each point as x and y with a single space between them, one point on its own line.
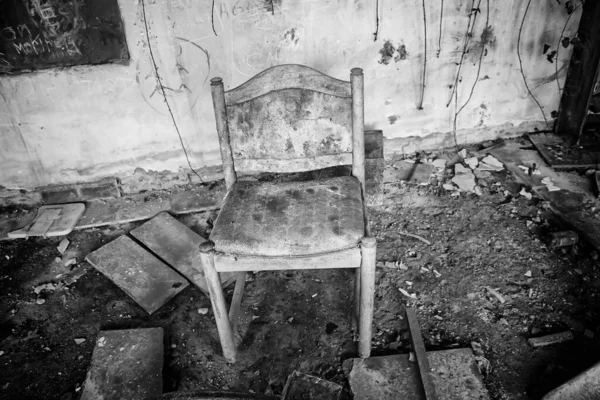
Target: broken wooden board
52 220
146 279
177 245
308 387
560 155
190 201
454 373
126 364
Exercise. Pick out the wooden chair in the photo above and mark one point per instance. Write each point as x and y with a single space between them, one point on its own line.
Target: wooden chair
291 118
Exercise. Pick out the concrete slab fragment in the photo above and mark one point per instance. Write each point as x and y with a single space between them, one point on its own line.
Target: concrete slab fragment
584 386
454 373
178 245
126 364
146 279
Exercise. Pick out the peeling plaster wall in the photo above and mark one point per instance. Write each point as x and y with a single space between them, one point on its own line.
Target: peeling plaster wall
82 123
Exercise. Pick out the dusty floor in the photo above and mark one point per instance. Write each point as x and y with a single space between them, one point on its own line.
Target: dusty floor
301 320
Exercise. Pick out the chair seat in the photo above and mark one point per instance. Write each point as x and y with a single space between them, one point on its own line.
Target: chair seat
290 218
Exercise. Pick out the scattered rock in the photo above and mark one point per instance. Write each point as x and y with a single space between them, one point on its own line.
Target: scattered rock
478 191
40 301
79 340
525 194
46 286
463 153
482 174
449 186
528 274
62 246
203 311
70 261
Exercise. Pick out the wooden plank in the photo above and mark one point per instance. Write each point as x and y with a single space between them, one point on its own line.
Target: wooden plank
292 165
67 220
581 75
44 220
420 354
290 124
350 258
146 279
126 364
560 155
286 76
177 245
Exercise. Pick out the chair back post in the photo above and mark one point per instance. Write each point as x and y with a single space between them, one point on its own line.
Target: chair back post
218 97
358 125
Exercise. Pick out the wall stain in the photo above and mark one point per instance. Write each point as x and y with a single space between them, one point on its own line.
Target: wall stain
393 119
402 53
291 36
387 52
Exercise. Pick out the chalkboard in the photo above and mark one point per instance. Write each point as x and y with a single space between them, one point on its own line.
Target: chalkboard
39 34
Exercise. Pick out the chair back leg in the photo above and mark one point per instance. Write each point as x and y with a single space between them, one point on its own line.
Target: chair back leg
368 248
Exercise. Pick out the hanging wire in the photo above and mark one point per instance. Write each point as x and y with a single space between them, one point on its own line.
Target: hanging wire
162 89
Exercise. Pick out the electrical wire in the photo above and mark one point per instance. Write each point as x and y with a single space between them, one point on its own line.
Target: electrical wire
162 89
487 22
469 34
521 65
376 33
439 49
420 105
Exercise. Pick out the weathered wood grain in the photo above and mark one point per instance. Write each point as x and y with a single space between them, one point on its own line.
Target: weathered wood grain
290 124
342 259
293 165
287 76
218 96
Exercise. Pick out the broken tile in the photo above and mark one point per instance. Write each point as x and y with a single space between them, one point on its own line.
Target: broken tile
465 182
454 373
461 169
177 245
463 153
146 279
439 163
472 162
126 364
491 163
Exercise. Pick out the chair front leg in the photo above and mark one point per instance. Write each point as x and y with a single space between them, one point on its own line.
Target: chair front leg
217 299
368 248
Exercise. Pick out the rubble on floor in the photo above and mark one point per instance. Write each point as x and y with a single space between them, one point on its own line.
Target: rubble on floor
478 267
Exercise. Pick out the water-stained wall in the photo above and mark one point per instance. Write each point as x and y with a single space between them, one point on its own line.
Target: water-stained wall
466 72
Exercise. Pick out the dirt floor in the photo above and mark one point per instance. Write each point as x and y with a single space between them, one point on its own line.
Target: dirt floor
301 320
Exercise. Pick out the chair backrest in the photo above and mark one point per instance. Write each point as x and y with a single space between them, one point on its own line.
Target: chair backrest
290 118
